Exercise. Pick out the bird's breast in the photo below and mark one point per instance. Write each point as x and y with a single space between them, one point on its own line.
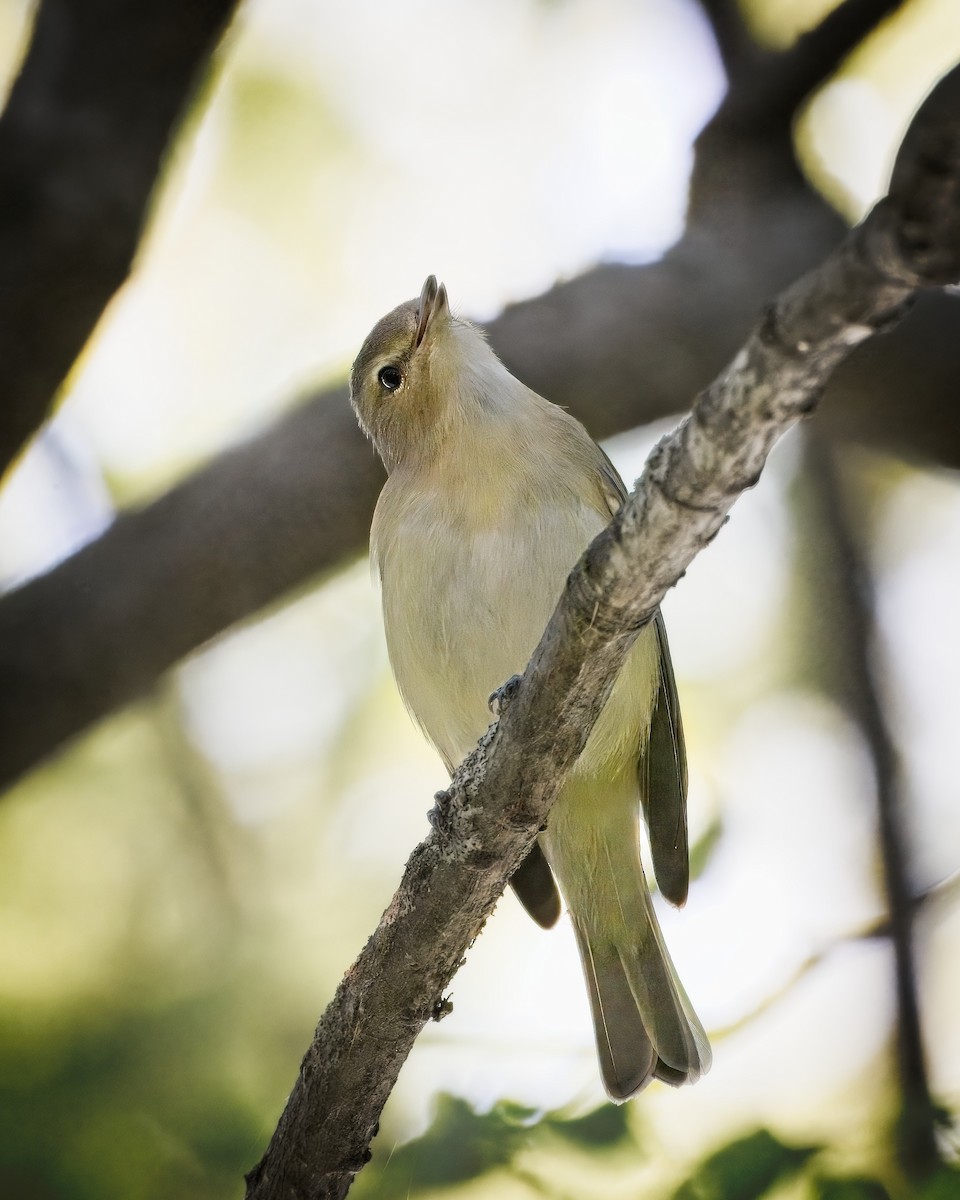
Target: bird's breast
467 592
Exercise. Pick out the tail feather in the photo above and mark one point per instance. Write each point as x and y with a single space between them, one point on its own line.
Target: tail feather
644 1023
661 1001
626 1063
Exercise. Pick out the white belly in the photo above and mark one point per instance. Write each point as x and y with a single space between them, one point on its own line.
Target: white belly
464 614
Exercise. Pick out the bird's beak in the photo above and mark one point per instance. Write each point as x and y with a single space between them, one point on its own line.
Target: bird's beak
433 305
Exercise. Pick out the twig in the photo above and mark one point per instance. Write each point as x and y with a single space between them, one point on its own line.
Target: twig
502 793
876 929
852 610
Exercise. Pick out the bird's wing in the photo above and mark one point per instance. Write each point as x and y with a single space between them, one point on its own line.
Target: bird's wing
536 889
662 763
662 772
614 489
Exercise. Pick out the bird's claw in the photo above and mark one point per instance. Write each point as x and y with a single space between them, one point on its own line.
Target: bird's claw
437 814
500 700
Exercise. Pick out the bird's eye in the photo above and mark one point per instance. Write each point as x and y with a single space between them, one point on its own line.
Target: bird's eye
390 377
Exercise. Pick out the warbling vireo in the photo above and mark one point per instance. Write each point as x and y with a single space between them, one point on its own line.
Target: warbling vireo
492 495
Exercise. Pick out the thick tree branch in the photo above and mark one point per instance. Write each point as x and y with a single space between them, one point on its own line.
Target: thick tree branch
618 346
270 515
57 635
81 140
501 794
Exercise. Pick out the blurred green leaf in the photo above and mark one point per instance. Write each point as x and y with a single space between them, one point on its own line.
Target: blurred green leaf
853 1188
746 1169
703 848
945 1185
134 1105
605 1126
461 1144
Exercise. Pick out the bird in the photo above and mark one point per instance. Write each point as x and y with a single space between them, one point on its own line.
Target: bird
491 496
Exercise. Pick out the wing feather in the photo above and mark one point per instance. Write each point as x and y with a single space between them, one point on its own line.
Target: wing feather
662 771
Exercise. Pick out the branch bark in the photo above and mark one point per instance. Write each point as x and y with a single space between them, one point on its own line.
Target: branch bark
85 129
501 794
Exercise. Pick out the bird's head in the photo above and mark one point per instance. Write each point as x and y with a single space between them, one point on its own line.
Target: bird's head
411 380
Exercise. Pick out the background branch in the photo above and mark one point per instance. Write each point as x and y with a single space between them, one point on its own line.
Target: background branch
618 346
82 138
737 48
880 928
772 85
779 84
847 589
501 794
153 614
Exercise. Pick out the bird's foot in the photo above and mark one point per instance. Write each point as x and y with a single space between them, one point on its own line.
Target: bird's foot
500 700
438 815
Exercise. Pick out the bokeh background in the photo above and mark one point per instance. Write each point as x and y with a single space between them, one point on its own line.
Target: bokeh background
183 886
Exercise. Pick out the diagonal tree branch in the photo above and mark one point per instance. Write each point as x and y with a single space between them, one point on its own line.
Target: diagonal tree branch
85 129
618 346
267 517
57 634
501 794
